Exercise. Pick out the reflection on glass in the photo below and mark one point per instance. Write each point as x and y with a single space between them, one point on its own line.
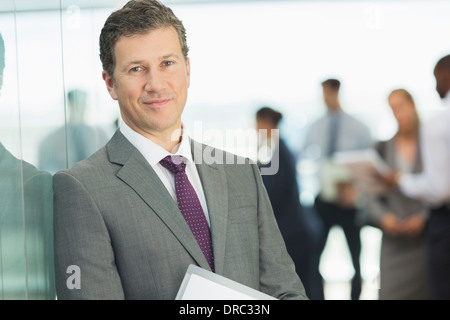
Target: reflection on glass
73 142
26 223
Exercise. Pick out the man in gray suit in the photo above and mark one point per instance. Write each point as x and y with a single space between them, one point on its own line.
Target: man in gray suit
119 231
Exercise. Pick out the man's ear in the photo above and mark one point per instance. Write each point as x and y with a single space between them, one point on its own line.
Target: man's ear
110 85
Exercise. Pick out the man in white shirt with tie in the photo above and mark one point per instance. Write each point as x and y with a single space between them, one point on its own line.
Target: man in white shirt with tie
433 185
132 218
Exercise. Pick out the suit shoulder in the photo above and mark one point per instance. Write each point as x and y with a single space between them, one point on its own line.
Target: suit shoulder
315 128
318 122
14 167
357 122
88 167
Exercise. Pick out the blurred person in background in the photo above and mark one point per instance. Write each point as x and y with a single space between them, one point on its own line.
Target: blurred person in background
433 185
402 219
337 201
283 191
26 225
73 142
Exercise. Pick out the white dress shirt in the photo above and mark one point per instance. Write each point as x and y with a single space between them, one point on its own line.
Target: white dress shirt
154 153
352 134
433 183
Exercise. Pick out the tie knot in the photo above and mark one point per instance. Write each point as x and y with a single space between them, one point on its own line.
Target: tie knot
174 163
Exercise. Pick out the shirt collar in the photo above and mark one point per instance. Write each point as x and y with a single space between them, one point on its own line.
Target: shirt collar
333 113
153 152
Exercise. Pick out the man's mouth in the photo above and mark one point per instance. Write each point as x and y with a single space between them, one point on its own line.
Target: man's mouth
157 103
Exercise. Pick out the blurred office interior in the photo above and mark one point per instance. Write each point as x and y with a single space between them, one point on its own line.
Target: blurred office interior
243 54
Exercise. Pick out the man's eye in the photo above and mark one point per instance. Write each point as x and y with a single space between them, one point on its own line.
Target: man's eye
167 63
136 69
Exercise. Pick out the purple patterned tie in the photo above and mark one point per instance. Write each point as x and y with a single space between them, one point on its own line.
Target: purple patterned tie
190 206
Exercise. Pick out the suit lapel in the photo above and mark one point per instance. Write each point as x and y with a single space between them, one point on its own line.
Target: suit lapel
215 188
137 173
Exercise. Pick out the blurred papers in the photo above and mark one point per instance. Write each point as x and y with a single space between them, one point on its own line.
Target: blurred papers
366 167
332 175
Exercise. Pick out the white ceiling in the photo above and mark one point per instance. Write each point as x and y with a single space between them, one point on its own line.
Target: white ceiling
39 5
42 5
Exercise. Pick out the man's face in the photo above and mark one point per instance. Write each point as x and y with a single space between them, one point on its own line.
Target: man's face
330 97
151 80
442 81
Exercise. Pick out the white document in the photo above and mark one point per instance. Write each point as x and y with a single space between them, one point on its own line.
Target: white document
332 174
366 166
201 284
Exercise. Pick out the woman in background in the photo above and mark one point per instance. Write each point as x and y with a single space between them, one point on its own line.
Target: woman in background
401 219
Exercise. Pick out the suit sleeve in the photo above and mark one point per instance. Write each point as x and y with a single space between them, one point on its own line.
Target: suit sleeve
83 252
278 277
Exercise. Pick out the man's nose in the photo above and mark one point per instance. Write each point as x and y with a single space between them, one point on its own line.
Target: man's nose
154 81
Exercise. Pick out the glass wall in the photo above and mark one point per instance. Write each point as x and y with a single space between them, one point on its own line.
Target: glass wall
53 113
56 111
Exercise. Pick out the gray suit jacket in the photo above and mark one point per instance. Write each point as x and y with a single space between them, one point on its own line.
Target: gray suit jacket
115 220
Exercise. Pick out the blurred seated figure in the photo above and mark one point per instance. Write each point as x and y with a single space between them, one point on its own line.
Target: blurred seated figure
75 142
26 226
402 219
283 192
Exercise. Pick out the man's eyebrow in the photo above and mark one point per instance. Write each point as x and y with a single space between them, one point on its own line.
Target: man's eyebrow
169 55
163 57
135 62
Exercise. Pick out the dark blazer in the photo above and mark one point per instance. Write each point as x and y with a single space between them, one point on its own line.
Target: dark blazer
116 221
283 192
